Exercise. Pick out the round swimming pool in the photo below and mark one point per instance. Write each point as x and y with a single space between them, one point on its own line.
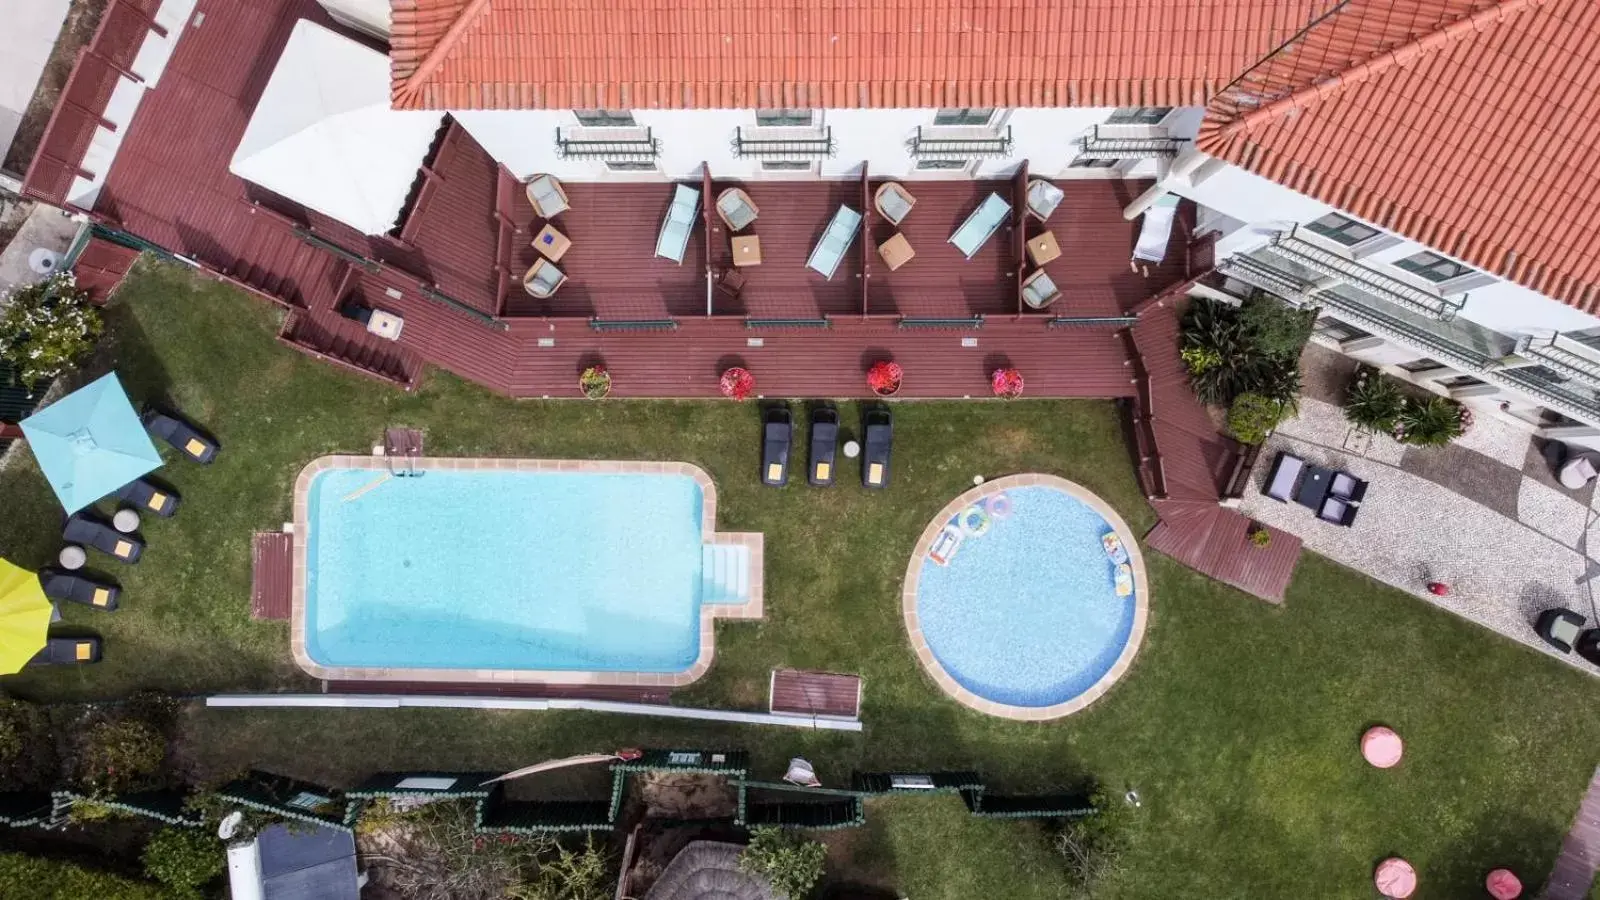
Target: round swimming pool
1025 597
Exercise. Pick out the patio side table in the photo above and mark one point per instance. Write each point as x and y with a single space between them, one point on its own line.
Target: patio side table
747 250
1044 248
72 557
125 521
552 243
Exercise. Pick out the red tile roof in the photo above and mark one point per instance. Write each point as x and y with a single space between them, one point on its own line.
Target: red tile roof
1468 125
649 54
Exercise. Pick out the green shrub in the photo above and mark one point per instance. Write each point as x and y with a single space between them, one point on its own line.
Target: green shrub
119 755
47 328
184 859
1092 847
1430 422
1275 328
1261 537
1224 361
793 865
1374 402
46 879
1251 417
572 875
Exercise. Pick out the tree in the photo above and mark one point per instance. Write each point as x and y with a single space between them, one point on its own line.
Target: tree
47 328
1275 328
793 865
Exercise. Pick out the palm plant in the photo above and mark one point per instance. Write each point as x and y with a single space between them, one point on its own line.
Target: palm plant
1433 422
1374 402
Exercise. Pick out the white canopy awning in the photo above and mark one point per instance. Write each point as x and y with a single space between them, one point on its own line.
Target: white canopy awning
324 136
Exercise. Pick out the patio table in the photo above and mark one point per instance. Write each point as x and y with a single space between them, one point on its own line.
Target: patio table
896 251
552 243
1044 248
747 250
1314 489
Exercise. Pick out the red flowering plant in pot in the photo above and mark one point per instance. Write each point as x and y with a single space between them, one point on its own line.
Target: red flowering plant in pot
1007 383
738 383
884 378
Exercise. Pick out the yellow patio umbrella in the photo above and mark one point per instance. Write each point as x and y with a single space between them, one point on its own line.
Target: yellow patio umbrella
24 617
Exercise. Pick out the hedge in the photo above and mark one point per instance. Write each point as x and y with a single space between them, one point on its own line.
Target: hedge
47 879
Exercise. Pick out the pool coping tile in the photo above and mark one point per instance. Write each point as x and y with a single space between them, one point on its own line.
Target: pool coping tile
936 670
753 607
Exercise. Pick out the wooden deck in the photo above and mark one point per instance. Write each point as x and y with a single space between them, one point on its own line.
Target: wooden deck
1215 542
795 692
271 575
1580 853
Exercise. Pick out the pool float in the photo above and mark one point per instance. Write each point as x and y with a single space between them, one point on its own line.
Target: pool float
1124 579
945 545
1000 506
974 521
1114 548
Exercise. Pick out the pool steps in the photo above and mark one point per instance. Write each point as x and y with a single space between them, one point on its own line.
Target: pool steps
725 574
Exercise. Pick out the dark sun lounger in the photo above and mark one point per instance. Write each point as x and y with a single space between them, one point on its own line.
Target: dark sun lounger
189 440
879 435
68 652
824 444
148 497
78 589
102 537
777 433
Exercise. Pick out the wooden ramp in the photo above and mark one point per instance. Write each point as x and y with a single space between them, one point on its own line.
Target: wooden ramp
1215 541
271 575
799 693
1580 852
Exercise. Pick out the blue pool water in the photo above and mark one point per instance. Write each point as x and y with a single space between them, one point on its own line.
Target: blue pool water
504 570
1027 613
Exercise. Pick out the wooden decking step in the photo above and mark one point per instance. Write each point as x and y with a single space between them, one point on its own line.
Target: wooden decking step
271 575
1580 853
796 692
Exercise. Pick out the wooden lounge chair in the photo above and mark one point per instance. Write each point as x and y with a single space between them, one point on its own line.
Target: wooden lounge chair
893 201
147 496
777 433
76 588
981 225
678 224
191 441
1043 198
68 652
1038 291
543 279
83 530
876 443
736 209
824 444
1559 628
547 197
831 247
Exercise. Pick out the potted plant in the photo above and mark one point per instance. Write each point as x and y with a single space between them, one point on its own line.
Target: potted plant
1260 537
738 383
1007 383
595 382
884 378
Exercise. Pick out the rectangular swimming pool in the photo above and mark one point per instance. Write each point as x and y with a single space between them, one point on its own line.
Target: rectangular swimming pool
488 572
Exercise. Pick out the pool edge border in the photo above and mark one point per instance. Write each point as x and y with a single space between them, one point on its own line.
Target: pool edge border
931 664
754 608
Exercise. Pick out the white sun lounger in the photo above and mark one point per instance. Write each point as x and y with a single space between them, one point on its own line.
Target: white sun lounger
1156 230
829 252
679 224
981 225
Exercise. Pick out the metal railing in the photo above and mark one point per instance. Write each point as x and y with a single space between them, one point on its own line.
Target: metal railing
791 146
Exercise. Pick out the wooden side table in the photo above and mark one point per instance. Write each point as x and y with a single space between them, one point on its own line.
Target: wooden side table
747 250
552 243
896 251
1044 248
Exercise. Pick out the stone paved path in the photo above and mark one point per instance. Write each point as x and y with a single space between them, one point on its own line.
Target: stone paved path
1580 852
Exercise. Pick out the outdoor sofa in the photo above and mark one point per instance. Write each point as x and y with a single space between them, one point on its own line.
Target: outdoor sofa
1559 627
1283 476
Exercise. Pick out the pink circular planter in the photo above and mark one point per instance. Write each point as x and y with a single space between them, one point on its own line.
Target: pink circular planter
1395 878
1382 747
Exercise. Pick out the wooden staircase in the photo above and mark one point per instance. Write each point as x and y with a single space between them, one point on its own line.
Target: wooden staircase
285 269
325 336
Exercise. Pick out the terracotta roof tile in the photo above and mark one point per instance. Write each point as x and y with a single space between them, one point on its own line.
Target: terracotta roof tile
833 53
1464 124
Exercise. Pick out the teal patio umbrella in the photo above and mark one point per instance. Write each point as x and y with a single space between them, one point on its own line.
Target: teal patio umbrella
89 443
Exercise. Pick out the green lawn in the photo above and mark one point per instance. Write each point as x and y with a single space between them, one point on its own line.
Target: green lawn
1237 723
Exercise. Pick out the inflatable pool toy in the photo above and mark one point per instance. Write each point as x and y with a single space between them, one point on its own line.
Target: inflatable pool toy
974 521
1114 548
945 545
1123 579
1000 506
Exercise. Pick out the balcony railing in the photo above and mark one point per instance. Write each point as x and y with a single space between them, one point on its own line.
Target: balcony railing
1562 360
644 148
951 144
1572 399
767 144
1098 145
1333 265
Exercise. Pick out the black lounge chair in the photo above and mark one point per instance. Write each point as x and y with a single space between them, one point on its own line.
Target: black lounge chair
59 585
824 444
777 436
68 652
147 496
1588 646
189 440
1559 628
83 530
878 436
